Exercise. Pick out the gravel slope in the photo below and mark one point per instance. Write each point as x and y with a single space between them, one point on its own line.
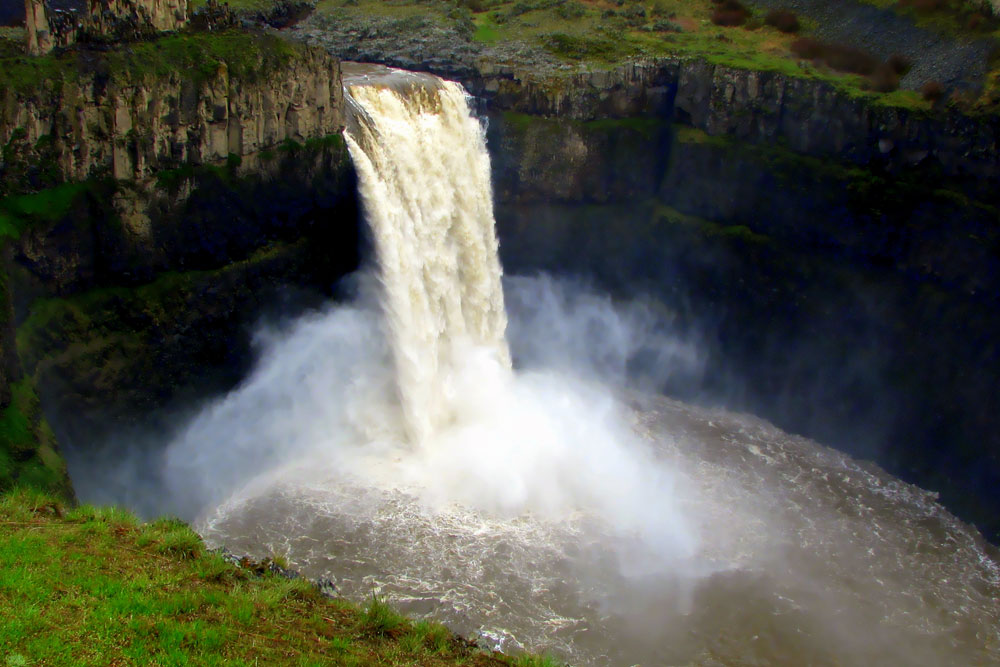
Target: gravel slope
882 32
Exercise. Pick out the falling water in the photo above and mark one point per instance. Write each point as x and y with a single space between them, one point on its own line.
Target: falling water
425 183
546 508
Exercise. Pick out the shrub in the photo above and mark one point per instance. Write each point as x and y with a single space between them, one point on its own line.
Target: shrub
849 59
808 48
932 91
884 79
782 19
900 63
475 6
635 15
666 26
659 10
729 13
571 10
572 46
728 18
837 56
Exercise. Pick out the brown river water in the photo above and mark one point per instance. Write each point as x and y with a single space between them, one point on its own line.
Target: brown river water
805 556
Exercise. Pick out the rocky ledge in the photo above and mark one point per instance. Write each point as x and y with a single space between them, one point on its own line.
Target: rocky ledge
807 115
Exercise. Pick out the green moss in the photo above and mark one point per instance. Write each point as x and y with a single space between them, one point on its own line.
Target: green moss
872 191
328 141
686 134
17 419
645 126
740 234
5 304
28 453
172 179
19 212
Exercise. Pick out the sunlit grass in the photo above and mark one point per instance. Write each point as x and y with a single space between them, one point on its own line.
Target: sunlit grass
92 585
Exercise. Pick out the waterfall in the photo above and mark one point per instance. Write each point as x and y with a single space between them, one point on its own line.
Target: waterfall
425 186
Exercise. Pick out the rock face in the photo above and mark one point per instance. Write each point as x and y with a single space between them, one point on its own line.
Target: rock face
62 22
134 128
807 116
166 204
117 319
853 303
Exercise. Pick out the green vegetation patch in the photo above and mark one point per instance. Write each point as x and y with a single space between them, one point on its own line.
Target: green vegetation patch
486 31
28 451
195 56
709 229
19 212
95 586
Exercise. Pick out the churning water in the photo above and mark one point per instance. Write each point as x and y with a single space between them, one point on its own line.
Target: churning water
390 446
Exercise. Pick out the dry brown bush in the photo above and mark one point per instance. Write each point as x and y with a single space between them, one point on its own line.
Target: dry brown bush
932 91
783 19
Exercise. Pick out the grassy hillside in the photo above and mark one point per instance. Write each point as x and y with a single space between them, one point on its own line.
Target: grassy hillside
542 35
198 55
89 586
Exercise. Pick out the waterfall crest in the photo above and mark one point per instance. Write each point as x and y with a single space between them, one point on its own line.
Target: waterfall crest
424 178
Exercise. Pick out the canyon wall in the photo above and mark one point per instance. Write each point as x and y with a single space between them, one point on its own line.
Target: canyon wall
805 115
853 303
60 23
151 204
132 126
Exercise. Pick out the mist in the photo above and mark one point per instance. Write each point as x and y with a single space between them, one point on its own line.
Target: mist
543 441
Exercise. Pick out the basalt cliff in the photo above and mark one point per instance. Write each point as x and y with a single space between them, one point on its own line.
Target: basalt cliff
153 198
824 247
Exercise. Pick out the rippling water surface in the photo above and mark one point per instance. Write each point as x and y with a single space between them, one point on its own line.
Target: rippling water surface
804 556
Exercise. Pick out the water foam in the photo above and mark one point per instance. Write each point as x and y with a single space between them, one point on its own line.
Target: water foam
425 184
411 391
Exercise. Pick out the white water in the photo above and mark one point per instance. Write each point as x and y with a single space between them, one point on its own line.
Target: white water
425 184
411 390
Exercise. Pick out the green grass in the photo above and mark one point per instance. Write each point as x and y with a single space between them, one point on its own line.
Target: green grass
94 586
198 55
486 30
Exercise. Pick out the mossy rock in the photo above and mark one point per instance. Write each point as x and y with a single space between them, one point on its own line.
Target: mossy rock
29 455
